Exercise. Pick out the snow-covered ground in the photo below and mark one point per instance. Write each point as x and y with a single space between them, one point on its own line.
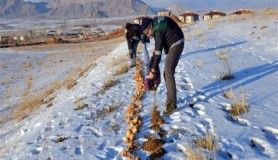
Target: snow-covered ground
97 131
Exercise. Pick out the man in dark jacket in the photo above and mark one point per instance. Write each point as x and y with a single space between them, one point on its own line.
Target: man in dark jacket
168 36
133 36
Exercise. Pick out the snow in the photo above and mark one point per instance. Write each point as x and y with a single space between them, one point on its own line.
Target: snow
60 131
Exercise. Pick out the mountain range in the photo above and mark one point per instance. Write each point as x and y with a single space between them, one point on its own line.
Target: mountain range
73 8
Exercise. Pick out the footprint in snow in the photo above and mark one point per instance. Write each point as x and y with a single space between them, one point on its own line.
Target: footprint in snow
36 150
201 128
271 133
208 123
262 147
230 148
78 150
199 109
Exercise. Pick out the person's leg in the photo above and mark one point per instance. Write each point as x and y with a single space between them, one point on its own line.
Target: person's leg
171 62
134 50
146 56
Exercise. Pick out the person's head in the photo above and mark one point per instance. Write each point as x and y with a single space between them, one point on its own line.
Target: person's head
146 26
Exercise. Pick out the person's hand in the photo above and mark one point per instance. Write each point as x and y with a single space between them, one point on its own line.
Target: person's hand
150 75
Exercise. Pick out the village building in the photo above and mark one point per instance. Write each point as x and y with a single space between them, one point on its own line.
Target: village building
214 14
164 13
188 17
242 12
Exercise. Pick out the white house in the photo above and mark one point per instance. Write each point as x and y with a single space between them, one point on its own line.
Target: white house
188 17
164 13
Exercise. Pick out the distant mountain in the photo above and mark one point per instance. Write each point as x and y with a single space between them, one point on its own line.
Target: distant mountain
74 8
176 9
19 8
215 4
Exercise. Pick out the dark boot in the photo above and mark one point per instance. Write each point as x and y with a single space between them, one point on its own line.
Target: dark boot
170 108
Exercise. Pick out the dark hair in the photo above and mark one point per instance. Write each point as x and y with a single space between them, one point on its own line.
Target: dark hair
146 22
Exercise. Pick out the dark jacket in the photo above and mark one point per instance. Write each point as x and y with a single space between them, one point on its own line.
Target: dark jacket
134 35
166 33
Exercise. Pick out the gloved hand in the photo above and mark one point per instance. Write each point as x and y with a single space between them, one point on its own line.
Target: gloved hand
144 39
152 81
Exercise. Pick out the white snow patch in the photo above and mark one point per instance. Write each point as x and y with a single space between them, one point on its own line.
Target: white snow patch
272 132
263 146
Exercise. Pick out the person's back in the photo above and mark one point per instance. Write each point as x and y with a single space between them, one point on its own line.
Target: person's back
133 31
169 29
133 36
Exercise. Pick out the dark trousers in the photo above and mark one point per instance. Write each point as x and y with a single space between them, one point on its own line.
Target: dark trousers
172 59
133 49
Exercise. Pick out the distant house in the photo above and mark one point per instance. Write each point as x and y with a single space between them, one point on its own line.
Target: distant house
214 14
188 17
164 13
86 29
19 38
77 33
243 12
6 39
52 33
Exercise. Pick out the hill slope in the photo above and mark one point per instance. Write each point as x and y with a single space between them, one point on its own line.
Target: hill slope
74 8
96 130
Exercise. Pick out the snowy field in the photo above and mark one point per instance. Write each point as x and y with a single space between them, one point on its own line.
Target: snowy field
27 71
248 46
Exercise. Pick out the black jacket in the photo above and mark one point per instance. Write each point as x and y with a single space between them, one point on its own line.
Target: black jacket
134 35
166 33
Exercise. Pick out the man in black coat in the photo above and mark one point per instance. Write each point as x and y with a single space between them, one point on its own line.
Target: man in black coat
133 36
168 36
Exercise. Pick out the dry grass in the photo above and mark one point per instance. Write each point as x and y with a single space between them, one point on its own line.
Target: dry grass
227 70
70 83
29 103
222 55
239 107
230 94
156 119
28 84
153 145
79 105
101 114
270 12
208 142
211 23
110 82
27 65
122 69
198 32
71 80
194 154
